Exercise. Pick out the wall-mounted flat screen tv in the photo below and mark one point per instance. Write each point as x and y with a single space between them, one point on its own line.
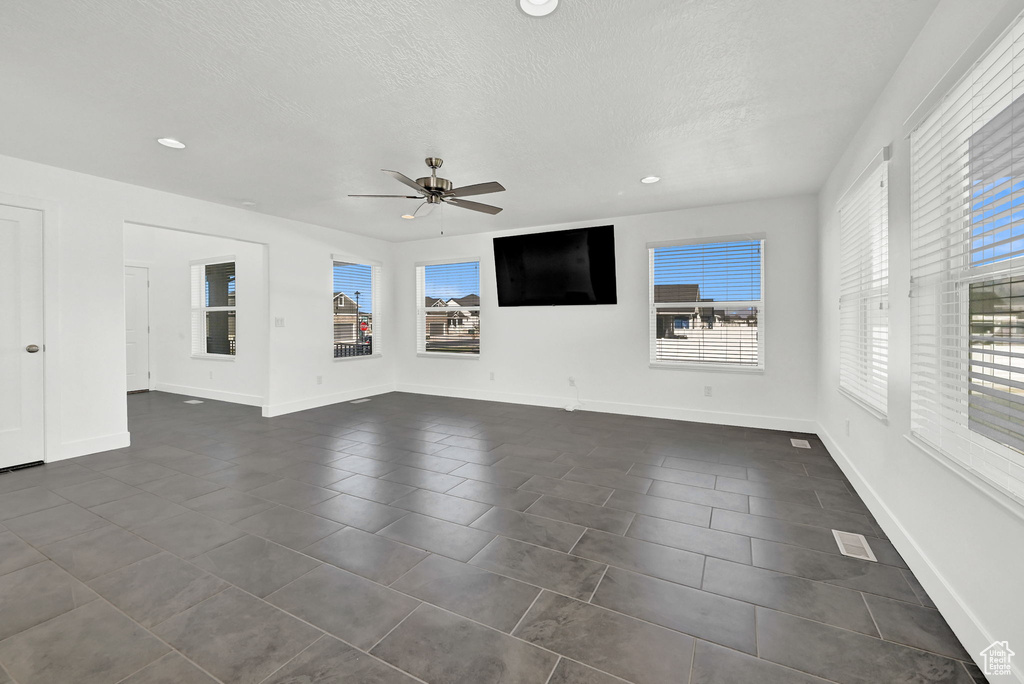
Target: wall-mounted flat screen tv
564 267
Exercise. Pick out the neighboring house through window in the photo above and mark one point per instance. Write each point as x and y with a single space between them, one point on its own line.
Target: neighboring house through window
707 304
213 307
448 306
355 308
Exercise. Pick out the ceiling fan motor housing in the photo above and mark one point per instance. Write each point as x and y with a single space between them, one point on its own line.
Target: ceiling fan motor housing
434 184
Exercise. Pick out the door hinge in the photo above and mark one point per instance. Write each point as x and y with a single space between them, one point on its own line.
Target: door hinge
149 374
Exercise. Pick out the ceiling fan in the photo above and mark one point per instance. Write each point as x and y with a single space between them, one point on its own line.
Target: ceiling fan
433 191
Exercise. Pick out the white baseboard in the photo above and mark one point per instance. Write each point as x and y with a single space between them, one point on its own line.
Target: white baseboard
274 410
93 445
217 395
668 412
962 620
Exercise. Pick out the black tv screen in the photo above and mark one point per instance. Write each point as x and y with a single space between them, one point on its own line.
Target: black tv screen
564 267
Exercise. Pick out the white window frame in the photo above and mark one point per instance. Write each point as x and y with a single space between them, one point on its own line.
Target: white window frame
942 275
654 362
864 283
197 276
421 310
376 275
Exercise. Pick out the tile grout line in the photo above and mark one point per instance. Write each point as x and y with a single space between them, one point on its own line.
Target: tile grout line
552 673
153 635
872 616
4 670
285 664
397 625
630 526
610 495
693 657
525 613
757 641
395 581
596 586
790 667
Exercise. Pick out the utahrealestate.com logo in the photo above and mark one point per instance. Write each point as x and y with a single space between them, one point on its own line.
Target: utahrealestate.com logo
997 658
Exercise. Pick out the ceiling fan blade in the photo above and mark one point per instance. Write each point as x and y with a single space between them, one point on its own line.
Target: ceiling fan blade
478 189
402 178
423 209
475 206
402 196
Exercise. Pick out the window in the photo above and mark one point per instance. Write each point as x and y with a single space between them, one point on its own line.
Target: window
864 291
355 309
967 244
707 304
448 301
213 308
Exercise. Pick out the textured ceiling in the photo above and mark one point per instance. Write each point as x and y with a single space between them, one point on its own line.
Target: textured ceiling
296 103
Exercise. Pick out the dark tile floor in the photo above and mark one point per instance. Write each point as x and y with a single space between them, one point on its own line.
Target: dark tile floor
425 539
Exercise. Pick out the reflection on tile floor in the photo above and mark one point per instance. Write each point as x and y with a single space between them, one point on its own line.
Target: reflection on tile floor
426 539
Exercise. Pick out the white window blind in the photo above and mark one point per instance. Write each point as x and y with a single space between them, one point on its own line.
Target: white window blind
213 308
707 305
967 240
864 290
356 314
448 308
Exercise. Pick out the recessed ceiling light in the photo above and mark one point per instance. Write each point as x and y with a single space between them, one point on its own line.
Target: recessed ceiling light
172 143
408 216
538 8
650 179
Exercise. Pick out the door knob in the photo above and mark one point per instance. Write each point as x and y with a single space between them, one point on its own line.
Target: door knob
32 348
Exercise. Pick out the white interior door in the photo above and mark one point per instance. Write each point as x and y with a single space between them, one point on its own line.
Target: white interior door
21 336
136 298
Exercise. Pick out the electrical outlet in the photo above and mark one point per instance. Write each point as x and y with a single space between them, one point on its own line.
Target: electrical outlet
707 390
319 379
847 427
492 375
572 381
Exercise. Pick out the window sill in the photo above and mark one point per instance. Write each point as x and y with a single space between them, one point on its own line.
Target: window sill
357 358
864 405
214 357
447 355
1003 498
716 368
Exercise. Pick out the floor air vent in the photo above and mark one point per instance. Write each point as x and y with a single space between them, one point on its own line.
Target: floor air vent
854 545
800 443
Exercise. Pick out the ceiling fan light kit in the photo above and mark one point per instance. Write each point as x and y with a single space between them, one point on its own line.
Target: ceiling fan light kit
538 8
433 191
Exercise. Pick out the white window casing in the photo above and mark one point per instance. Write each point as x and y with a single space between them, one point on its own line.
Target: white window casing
967 289
448 309
864 291
707 303
213 308
357 320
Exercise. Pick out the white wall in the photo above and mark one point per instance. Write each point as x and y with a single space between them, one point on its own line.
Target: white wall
167 254
533 350
963 545
84 279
